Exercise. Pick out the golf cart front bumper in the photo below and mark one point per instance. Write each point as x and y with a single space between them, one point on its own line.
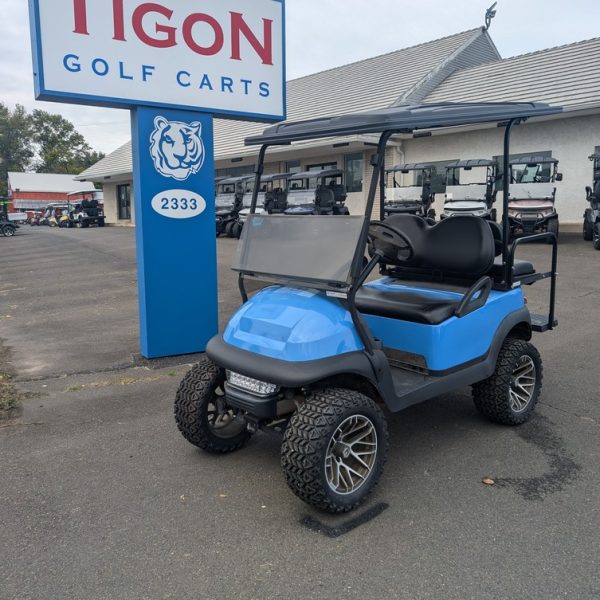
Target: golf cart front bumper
529 223
282 373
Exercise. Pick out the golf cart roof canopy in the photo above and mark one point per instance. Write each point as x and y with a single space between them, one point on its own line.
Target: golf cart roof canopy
402 119
409 167
595 156
316 174
534 160
240 179
469 164
275 177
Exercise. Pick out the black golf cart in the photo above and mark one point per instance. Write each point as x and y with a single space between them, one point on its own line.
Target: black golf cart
7 228
271 198
320 354
412 198
591 217
471 188
86 211
229 200
317 193
532 203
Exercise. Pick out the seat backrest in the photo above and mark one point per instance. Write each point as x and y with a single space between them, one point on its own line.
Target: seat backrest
339 192
460 246
325 197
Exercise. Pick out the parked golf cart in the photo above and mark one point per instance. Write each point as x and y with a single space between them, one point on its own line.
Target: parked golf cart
327 196
229 201
409 199
86 211
320 354
56 215
591 217
269 199
7 228
532 205
471 189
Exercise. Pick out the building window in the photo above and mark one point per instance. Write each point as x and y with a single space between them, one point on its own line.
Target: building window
124 202
235 171
293 166
519 171
354 172
440 177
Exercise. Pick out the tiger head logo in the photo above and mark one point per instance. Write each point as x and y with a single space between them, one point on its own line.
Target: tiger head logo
177 148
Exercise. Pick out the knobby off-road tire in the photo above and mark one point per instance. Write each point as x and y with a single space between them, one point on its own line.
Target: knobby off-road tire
588 231
201 414
597 236
499 398
554 227
309 453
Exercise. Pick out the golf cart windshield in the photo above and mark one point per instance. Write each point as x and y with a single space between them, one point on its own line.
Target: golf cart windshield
317 251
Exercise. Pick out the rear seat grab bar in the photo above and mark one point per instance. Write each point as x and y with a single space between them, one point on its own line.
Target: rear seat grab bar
467 304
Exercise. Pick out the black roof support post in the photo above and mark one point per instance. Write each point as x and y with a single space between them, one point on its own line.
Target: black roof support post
260 168
507 268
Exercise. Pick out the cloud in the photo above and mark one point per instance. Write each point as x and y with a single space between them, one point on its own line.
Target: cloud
322 34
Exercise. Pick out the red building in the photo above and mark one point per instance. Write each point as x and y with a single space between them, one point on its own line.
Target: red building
30 192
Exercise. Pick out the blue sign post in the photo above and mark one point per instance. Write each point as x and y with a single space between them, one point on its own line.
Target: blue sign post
174 66
175 230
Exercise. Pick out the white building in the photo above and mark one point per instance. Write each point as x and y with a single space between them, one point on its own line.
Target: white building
459 68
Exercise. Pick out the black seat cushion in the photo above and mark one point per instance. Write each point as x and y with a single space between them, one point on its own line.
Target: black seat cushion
407 306
520 268
461 245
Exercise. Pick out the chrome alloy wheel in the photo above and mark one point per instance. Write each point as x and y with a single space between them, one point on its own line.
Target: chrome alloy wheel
351 454
522 384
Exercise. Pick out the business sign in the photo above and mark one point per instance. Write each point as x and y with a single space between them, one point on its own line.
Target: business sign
225 57
175 64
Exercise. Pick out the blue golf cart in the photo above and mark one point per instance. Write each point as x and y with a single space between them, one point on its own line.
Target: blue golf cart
319 355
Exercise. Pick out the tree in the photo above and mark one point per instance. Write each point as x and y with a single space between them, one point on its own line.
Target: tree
60 147
16 143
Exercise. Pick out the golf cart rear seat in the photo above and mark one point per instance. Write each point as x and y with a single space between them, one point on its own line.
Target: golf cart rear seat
460 249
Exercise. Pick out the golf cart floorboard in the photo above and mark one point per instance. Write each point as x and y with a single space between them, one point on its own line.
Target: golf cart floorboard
541 323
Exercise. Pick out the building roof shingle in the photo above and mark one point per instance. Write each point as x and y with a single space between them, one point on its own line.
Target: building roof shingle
568 76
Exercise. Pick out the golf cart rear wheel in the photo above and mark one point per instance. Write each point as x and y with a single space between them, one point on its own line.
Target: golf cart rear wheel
597 236
554 227
588 231
202 415
8 231
510 395
334 449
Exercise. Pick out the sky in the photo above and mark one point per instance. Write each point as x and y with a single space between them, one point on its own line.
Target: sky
322 34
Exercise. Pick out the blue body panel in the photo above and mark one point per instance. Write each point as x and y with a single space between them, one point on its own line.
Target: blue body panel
293 325
453 342
298 325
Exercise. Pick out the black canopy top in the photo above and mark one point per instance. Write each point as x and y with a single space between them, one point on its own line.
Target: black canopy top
240 179
275 177
534 160
409 167
402 119
468 164
595 156
316 174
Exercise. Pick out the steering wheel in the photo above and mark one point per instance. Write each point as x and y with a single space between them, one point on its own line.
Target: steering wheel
382 232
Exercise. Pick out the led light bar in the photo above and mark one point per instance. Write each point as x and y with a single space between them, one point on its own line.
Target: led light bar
254 386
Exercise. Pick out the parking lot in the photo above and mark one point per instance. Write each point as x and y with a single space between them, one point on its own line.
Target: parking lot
100 497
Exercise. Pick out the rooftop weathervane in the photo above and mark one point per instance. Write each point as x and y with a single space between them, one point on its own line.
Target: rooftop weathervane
490 13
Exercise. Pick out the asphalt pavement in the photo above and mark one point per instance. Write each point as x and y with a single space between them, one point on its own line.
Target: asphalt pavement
100 497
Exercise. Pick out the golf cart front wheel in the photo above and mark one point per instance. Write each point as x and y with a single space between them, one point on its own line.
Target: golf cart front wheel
510 395
334 449
202 414
8 231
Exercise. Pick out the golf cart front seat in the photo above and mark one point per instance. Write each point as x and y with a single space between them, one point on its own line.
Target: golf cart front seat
462 248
